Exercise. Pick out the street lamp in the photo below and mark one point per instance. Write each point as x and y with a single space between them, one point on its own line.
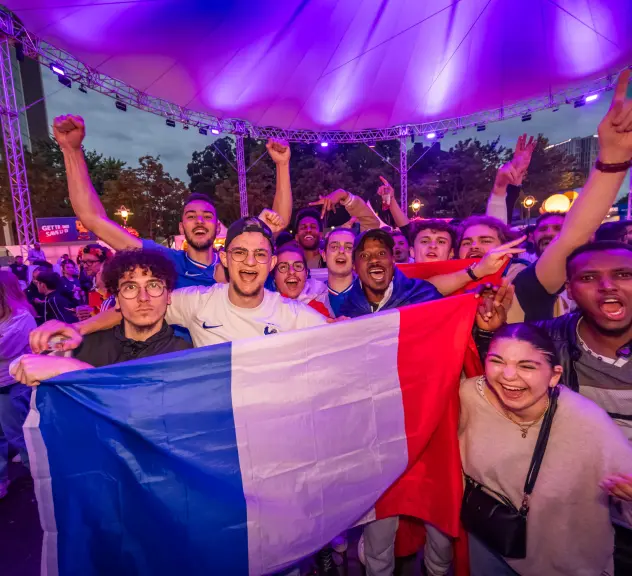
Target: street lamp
528 203
124 213
416 205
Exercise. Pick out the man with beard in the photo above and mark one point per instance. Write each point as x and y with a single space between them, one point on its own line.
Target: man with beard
401 251
195 266
547 228
243 308
309 232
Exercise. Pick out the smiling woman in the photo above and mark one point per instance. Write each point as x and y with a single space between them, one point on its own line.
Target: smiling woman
518 415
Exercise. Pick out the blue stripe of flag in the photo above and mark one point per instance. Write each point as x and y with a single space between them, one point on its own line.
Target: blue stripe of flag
147 483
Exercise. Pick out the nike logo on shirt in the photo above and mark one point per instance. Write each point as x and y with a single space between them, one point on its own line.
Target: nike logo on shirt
210 327
187 273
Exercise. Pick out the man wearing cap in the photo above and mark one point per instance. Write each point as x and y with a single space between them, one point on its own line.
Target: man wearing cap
243 308
380 285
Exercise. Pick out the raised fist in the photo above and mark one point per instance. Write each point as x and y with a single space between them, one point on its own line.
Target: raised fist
69 131
279 151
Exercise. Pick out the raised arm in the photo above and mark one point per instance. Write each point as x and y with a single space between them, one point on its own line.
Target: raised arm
386 192
599 193
356 207
279 151
510 174
69 131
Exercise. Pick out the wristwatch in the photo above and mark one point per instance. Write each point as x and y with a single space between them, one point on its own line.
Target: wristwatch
612 168
470 272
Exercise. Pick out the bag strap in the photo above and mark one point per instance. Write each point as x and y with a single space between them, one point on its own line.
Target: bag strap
540 448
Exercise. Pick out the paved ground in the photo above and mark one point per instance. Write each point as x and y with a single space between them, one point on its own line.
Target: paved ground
20 533
21 536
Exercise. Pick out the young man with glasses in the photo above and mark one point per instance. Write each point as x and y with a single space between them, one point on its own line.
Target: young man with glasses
142 281
337 254
222 312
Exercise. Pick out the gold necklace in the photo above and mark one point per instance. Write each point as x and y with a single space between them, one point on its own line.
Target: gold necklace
525 426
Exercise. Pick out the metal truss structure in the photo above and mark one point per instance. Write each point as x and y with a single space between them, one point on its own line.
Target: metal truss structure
241 175
14 151
403 173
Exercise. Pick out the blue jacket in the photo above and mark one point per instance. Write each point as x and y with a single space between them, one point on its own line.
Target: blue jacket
405 291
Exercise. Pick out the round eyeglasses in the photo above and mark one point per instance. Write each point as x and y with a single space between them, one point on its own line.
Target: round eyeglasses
240 255
284 267
154 289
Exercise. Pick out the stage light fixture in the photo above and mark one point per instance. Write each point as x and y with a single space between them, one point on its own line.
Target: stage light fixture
481 128
440 135
214 131
185 127
412 138
82 89
203 131
121 106
324 144
372 143
592 97
171 123
431 135
57 69
579 102
526 117
556 109
67 82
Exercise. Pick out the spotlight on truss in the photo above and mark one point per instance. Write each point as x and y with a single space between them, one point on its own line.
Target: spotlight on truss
57 69
592 97
185 127
214 131
171 123
203 131
526 117
579 102
82 89
440 135
481 128
556 109
371 144
67 82
121 106
324 144
431 135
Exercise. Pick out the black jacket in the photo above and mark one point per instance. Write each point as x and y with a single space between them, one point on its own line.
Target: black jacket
58 307
112 346
563 332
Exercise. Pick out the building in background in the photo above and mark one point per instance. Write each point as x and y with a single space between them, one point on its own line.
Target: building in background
29 92
584 150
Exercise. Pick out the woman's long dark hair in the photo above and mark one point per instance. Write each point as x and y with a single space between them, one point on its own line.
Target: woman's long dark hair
535 336
12 299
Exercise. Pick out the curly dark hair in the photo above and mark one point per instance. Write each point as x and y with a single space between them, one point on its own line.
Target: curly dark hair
149 261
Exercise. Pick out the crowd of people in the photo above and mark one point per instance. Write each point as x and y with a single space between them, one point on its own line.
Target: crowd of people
544 432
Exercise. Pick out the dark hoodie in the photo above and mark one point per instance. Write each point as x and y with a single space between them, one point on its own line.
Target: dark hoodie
405 291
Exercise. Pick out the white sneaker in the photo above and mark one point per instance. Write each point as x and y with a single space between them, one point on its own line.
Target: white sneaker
4 489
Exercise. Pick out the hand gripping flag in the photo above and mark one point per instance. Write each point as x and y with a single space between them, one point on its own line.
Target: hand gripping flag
243 458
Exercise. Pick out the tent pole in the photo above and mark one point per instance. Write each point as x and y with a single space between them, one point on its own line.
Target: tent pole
241 175
403 173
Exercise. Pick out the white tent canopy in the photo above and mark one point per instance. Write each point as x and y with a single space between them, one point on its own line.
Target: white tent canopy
341 64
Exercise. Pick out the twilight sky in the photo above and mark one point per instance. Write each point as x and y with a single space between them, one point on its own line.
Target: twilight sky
132 134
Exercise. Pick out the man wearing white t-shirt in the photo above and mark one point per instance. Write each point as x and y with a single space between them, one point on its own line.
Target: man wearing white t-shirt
219 313
242 308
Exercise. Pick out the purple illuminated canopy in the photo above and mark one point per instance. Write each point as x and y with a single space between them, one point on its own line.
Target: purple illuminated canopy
323 65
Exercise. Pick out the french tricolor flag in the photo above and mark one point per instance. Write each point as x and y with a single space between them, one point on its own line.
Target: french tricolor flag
243 458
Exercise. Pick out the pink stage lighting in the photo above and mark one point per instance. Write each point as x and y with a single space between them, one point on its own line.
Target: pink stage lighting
592 97
57 69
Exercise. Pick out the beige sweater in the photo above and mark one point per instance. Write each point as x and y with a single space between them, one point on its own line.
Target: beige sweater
569 528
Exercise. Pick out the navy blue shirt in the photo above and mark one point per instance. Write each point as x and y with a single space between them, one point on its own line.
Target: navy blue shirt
190 272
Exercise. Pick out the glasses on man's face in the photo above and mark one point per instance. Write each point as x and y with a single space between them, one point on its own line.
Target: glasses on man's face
284 267
90 262
335 247
131 290
240 254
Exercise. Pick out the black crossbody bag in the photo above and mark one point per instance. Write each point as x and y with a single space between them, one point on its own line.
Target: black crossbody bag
492 517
